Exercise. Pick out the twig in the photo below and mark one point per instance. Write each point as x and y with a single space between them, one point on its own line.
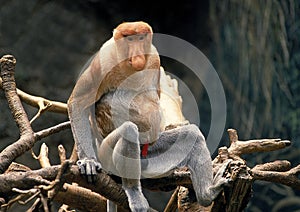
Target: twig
59 181
65 208
62 153
42 108
104 185
22 193
74 155
8 63
33 206
43 156
52 130
172 204
31 192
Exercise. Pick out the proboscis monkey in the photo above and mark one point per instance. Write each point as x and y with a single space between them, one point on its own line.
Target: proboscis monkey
116 120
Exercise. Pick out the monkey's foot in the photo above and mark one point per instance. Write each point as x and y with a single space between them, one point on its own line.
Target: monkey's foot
89 168
136 199
219 179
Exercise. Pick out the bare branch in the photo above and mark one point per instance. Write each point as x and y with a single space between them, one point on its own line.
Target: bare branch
26 141
52 130
289 178
62 153
81 198
40 102
278 165
74 156
26 180
239 148
172 204
187 201
8 63
43 156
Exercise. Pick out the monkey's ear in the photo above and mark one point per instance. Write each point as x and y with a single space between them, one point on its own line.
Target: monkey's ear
116 34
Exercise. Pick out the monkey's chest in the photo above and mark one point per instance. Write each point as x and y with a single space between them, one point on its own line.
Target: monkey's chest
115 108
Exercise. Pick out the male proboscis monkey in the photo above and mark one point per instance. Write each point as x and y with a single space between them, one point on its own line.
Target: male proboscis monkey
116 120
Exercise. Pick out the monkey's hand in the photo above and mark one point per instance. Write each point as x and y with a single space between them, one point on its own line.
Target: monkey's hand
89 168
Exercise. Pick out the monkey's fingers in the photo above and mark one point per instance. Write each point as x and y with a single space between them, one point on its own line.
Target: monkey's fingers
81 166
89 168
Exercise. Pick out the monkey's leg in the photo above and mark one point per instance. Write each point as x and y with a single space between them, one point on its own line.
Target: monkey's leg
200 164
122 148
185 146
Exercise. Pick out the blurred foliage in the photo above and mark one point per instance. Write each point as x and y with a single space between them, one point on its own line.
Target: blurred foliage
257 52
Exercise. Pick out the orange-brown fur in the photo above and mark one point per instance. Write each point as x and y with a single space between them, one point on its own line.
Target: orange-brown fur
131 28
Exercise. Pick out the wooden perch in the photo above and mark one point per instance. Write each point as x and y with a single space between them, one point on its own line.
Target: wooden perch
105 185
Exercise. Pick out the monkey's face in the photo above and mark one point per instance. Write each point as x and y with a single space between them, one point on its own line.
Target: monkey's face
133 41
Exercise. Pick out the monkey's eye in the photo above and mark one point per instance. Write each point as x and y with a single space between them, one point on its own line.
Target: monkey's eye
129 38
141 37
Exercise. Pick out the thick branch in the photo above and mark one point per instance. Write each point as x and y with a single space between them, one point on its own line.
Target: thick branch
168 183
25 180
289 178
105 186
8 63
26 141
278 165
81 198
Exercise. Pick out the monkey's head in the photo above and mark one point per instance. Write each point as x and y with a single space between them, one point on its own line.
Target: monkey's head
133 41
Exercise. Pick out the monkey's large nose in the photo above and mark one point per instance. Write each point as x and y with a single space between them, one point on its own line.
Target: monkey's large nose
138 62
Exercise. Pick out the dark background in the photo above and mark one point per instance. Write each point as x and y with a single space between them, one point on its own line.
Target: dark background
253 45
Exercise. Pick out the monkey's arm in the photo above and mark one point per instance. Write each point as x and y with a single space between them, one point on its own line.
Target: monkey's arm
79 108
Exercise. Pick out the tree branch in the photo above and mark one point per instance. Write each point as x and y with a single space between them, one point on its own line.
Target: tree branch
40 102
26 140
52 130
289 178
238 148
